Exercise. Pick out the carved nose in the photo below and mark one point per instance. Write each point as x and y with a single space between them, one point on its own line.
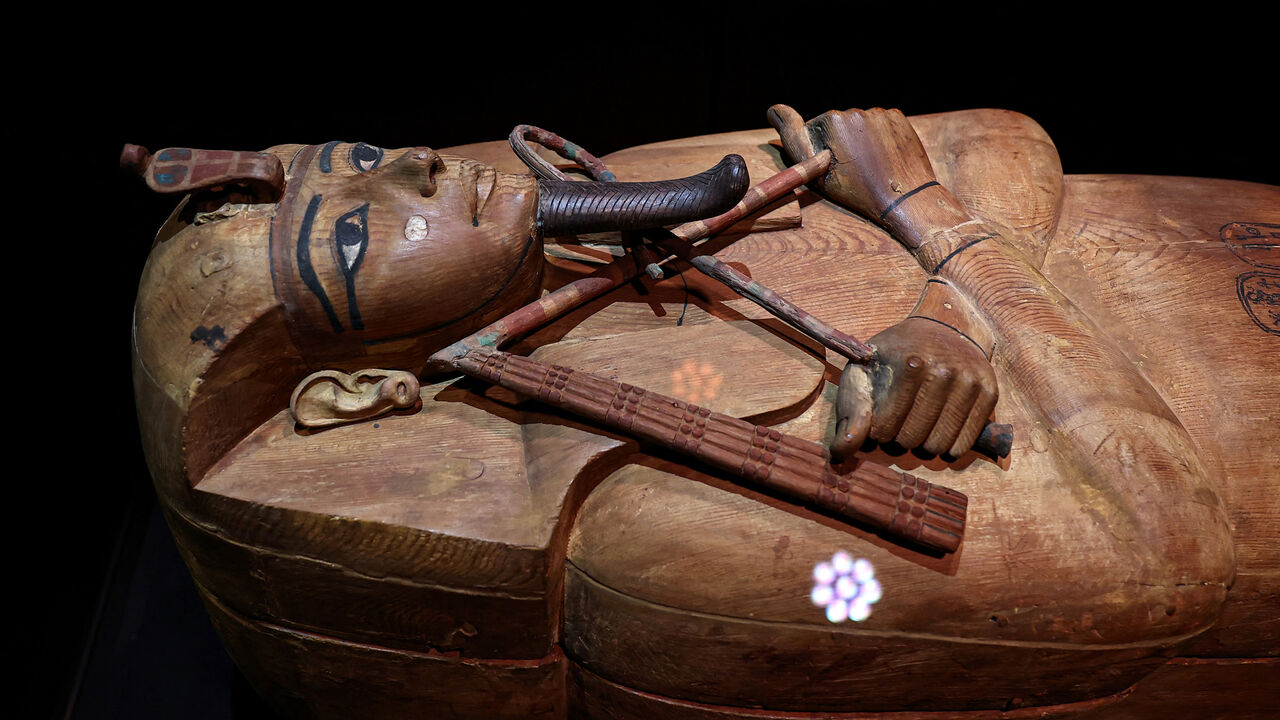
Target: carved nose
418 166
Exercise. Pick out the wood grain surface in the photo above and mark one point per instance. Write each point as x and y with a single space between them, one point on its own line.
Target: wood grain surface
315 676
446 554
1050 567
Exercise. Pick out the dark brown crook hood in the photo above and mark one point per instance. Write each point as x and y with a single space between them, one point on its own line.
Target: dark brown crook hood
569 208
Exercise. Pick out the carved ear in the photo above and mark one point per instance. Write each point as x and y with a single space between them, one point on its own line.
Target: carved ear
331 397
184 170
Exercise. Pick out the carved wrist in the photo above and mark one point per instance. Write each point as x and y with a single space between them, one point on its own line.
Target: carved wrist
914 214
944 304
943 246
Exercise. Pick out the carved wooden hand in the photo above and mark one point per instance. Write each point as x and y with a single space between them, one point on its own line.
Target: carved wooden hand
931 384
928 387
877 159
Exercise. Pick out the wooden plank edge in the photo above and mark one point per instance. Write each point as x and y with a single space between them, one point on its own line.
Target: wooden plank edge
591 696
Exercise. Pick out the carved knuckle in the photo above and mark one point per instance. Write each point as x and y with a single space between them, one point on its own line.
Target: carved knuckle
936 445
910 437
880 433
942 375
988 373
884 424
987 400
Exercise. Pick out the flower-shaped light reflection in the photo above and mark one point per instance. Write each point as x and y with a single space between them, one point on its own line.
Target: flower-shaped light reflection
847 588
696 382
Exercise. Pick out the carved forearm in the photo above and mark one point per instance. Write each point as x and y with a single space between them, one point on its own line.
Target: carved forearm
1030 320
1115 437
1098 412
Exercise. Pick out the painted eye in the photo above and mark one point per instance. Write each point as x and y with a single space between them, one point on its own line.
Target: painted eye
365 157
351 235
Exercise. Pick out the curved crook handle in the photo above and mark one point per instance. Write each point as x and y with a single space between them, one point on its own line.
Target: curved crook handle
565 149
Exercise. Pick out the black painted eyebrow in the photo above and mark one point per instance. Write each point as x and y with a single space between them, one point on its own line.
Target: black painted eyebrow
326 156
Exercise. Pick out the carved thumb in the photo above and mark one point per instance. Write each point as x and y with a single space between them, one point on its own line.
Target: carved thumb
854 407
793 132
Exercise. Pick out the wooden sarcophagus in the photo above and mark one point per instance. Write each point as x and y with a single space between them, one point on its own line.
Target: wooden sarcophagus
466 546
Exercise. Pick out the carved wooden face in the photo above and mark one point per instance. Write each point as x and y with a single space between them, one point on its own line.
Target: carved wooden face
381 257
372 247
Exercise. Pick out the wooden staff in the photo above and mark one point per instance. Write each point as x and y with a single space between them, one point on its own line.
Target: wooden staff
757 197
901 505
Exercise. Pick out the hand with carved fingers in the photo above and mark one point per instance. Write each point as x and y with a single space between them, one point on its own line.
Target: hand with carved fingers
878 163
877 156
930 386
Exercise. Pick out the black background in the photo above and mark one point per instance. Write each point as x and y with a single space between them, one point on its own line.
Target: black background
107 617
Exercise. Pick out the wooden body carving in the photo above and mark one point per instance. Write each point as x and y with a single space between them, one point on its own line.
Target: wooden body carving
500 558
